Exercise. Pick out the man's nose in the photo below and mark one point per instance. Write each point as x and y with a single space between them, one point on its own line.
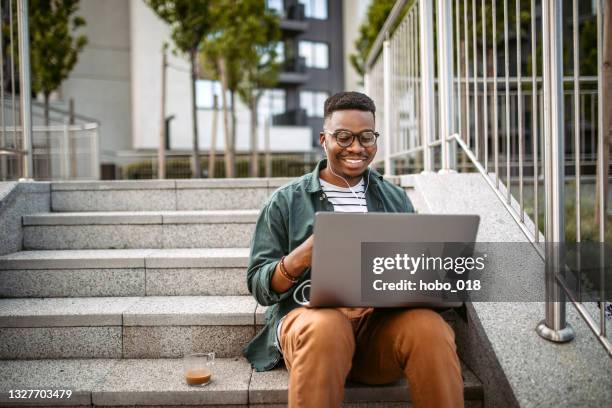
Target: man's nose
356 146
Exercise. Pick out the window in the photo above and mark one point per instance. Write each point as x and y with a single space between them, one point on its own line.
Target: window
271 102
316 54
276 6
313 102
205 89
315 9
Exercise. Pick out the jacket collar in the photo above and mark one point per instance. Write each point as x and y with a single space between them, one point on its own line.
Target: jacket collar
313 185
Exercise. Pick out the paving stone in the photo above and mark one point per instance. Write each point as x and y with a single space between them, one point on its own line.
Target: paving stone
49 312
60 342
113 200
161 382
175 341
196 281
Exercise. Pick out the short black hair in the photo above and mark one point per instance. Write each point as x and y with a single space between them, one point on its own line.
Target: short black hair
348 100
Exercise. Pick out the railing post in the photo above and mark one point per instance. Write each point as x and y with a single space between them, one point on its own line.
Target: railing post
25 87
445 79
427 81
554 327
387 105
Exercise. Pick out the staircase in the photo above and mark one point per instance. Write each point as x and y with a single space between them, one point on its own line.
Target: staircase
119 279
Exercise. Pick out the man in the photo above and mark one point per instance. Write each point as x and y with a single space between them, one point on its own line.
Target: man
322 347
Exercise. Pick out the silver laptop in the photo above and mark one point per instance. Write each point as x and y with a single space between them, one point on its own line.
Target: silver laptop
336 276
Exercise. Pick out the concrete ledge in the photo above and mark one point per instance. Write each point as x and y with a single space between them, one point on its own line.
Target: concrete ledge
113 185
93 218
499 341
78 375
270 387
54 312
112 382
191 310
210 217
228 183
161 382
75 259
197 258
142 217
127 258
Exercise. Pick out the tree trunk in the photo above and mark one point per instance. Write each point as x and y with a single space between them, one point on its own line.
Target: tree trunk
213 139
254 138
604 154
195 157
233 133
229 158
48 139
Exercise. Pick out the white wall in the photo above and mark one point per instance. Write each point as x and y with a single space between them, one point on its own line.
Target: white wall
148 32
100 82
353 15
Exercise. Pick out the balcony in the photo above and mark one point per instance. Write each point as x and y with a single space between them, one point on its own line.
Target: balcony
293 19
295 117
294 71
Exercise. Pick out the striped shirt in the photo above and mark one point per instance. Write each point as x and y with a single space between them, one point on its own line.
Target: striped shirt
345 200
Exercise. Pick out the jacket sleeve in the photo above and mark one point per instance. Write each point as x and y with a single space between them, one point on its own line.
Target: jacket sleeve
268 244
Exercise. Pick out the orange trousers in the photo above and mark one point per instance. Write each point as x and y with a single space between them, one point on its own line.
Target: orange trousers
324 347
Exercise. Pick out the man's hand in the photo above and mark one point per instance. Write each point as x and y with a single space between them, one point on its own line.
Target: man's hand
300 258
295 263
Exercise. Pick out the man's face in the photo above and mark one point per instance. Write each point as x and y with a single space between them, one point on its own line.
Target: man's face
353 160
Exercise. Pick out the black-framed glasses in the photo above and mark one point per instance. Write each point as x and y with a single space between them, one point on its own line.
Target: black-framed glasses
345 138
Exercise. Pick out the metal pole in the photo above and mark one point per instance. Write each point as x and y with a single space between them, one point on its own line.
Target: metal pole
161 152
427 80
387 105
25 86
554 327
445 78
3 144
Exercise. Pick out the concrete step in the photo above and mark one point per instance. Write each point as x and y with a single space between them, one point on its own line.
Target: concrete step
150 195
159 382
124 272
126 327
147 229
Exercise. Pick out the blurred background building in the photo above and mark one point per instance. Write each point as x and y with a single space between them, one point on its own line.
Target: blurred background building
117 80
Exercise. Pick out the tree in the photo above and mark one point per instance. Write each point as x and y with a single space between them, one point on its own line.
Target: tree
190 21
256 42
53 48
240 52
377 13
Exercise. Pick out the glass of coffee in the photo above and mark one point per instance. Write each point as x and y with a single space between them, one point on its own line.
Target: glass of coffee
198 368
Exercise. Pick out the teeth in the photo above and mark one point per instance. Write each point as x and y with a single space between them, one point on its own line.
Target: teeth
354 161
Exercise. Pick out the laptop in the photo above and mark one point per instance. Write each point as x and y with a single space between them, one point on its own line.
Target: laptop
336 275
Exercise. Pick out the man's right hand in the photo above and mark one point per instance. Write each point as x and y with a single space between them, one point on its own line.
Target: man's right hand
296 262
300 258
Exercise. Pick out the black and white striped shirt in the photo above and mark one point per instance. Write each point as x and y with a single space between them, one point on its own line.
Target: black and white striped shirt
345 200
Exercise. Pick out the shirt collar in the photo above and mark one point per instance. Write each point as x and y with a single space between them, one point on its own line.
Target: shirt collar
314 185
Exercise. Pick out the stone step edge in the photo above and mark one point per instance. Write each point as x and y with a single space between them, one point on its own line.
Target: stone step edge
141 217
130 311
171 184
126 258
161 382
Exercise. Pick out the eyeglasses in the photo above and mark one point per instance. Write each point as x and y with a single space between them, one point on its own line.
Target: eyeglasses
345 138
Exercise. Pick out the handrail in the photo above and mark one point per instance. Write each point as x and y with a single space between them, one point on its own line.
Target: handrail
380 38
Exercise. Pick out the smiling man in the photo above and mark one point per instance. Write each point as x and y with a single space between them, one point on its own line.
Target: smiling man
323 347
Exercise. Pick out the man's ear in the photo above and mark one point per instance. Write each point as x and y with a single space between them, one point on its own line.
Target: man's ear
322 139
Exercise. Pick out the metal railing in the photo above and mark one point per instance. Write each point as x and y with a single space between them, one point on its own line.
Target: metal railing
490 89
16 148
37 142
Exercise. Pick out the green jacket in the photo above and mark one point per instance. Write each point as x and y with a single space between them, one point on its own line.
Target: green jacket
287 220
